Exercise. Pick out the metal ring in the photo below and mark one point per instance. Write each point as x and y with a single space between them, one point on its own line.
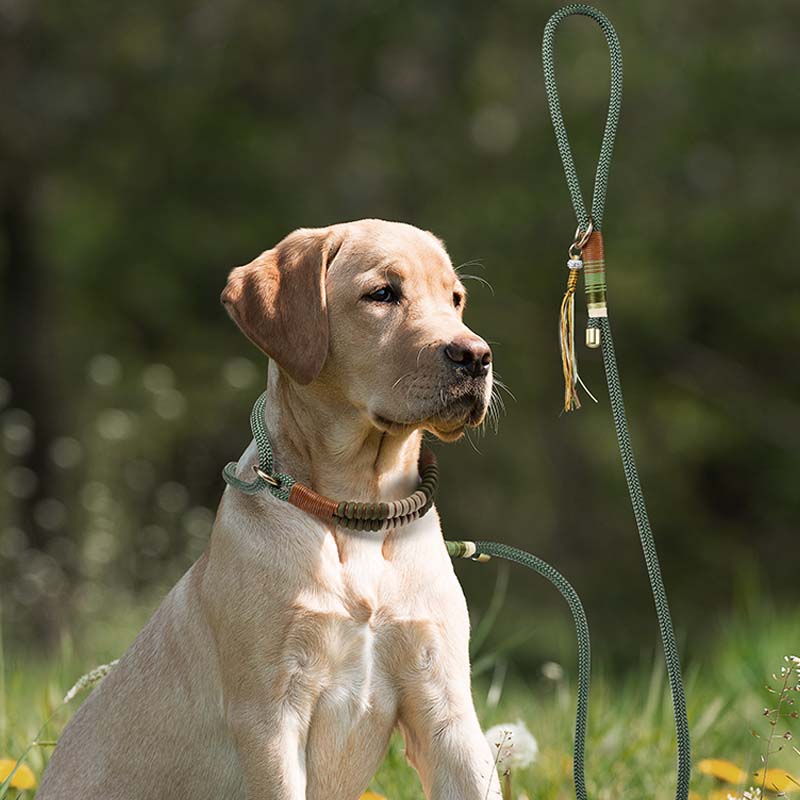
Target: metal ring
265 476
581 239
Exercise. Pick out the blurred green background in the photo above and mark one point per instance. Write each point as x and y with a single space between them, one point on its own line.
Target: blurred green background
147 148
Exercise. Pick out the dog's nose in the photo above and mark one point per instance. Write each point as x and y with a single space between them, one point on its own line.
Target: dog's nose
469 353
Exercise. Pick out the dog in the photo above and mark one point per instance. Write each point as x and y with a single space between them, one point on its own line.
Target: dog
280 664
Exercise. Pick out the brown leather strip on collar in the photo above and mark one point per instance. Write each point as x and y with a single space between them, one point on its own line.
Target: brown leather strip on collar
310 501
409 508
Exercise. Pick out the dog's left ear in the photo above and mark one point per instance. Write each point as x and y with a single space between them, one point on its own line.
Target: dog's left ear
279 301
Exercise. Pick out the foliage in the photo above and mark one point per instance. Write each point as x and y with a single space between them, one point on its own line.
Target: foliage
146 148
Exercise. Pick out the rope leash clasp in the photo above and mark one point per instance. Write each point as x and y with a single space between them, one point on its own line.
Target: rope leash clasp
580 240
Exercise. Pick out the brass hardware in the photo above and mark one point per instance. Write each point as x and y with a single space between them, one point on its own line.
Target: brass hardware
265 476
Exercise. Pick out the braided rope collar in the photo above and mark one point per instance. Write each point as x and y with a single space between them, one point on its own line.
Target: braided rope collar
349 514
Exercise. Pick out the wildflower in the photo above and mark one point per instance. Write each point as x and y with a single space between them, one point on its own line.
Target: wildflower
514 745
722 770
776 780
89 679
751 794
23 777
372 796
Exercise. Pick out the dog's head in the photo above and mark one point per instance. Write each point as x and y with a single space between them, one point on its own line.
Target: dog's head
372 311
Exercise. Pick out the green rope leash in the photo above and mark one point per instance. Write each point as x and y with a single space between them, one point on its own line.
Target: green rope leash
281 485
600 322
482 551
588 238
614 107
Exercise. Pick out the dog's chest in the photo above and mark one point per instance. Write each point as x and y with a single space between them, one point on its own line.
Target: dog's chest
340 642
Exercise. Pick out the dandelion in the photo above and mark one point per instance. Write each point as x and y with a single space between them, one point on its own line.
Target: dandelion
514 747
776 780
722 770
20 774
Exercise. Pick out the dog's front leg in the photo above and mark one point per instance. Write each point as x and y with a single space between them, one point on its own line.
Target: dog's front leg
271 746
268 713
451 755
444 740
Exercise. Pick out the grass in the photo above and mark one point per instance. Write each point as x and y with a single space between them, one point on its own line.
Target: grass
631 749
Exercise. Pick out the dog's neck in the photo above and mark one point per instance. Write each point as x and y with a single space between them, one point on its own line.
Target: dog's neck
321 439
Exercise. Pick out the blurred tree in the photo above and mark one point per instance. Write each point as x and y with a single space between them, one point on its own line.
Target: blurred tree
145 149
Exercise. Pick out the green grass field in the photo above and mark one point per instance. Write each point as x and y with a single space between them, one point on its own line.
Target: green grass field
631 750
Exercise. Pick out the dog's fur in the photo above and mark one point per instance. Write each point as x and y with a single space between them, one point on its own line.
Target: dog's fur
280 664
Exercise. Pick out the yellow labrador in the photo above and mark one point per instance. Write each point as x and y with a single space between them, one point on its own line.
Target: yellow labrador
282 661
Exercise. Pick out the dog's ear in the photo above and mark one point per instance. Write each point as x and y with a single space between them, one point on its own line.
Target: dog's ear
279 301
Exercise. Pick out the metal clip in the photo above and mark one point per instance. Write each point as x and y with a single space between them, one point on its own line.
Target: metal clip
581 239
265 476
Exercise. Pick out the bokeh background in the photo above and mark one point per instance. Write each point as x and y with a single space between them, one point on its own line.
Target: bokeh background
146 148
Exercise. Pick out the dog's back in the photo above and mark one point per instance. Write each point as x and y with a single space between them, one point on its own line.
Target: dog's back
154 727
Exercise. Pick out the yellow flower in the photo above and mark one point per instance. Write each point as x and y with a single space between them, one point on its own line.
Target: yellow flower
722 770
23 777
372 796
778 780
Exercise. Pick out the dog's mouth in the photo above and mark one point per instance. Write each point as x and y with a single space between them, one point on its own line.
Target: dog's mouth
447 420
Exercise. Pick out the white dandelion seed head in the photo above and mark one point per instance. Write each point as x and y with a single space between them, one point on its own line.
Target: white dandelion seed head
513 745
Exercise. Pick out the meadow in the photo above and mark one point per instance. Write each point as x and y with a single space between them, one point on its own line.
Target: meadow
631 748
191 136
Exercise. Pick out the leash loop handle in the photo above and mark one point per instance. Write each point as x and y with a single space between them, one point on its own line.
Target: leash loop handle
614 107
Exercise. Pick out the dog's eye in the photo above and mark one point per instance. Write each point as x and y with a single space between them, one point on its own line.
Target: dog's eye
458 299
383 295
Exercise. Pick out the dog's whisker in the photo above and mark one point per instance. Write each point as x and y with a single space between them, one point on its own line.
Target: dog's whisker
401 378
473 262
479 279
501 385
422 349
471 443
496 399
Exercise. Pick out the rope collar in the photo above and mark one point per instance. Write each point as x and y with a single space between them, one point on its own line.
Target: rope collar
349 514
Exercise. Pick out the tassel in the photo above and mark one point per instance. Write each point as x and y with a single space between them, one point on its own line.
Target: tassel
569 363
